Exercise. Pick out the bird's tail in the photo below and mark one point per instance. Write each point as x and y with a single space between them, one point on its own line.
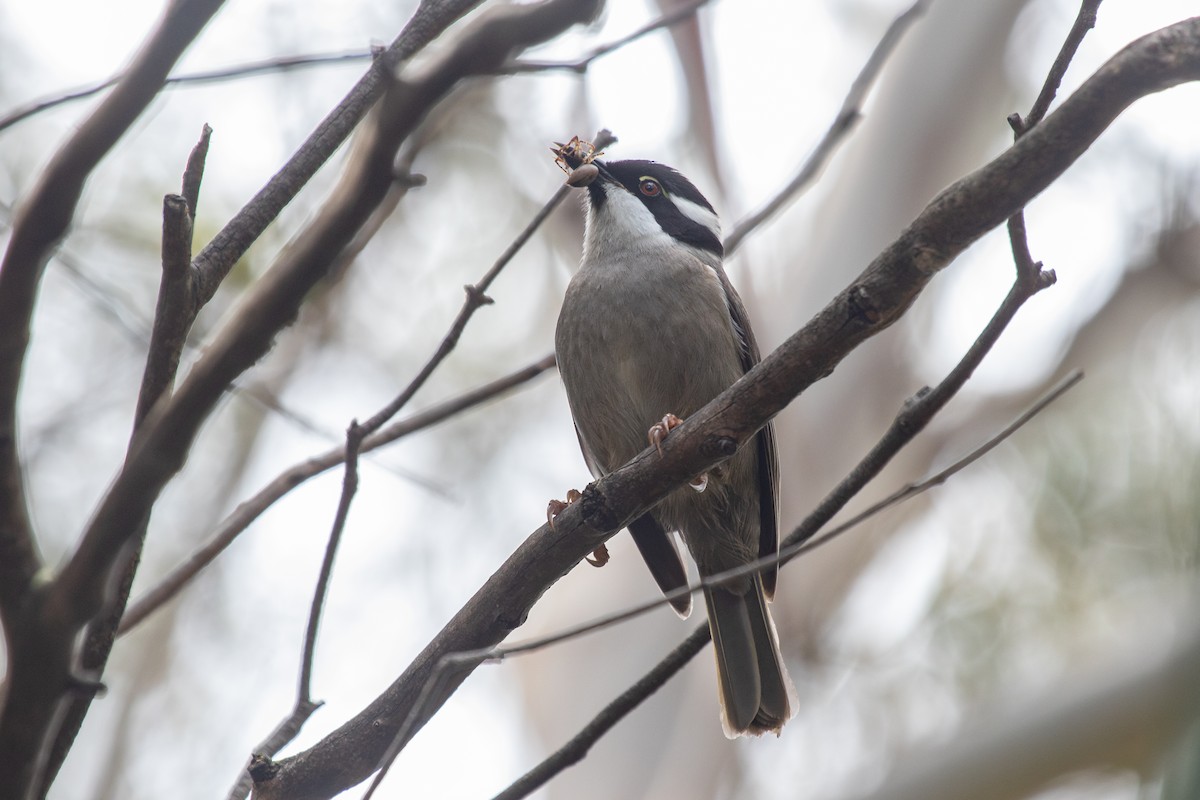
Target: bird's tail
753 684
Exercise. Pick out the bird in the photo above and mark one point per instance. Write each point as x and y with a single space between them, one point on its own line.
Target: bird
651 330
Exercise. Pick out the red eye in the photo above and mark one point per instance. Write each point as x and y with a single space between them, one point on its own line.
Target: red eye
650 187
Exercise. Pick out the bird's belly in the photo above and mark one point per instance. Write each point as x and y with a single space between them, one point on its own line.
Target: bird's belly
663 344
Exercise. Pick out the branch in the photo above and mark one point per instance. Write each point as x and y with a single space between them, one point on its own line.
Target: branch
163 443
39 644
220 255
304 706
581 65
877 298
578 746
847 117
281 64
173 313
250 510
40 224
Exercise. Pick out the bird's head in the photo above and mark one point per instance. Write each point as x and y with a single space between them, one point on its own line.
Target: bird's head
640 204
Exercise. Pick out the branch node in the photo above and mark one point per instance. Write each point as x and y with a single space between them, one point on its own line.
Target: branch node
409 180
862 306
476 296
719 445
262 768
88 685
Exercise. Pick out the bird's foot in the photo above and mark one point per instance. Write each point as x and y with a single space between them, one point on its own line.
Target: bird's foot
556 507
659 430
599 557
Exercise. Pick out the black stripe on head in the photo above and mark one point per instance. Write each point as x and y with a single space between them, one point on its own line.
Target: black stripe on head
631 174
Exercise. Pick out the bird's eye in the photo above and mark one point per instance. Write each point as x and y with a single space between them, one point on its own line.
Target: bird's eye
650 187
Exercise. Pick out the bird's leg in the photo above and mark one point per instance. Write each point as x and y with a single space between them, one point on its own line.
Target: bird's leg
556 507
599 556
659 431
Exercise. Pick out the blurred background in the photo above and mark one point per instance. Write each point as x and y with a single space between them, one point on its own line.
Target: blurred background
1040 562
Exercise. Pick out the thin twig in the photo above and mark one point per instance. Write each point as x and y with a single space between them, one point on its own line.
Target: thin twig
1085 20
289 728
250 510
581 65
1018 237
218 257
847 117
193 173
281 64
476 297
173 315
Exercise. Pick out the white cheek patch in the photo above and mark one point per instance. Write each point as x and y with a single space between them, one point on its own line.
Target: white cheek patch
698 213
622 219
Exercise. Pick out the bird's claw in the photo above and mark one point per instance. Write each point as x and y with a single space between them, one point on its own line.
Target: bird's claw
556 507
599 557
659 430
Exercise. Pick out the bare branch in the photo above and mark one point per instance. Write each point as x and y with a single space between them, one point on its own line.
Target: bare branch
843 123
874 300
281 64
162 445
476 297
1085 20
1017 235
219 256
289 479
304 706
39 645
193 173
581 65
41 222
172 316
577 747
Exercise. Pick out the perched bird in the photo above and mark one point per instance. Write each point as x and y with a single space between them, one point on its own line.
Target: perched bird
651 328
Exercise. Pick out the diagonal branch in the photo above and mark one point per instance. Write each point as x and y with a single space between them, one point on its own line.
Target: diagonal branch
580 65
576 748
40 224
304 706
280 64
847 117
218 257
40 630
873 301
250 510
163 443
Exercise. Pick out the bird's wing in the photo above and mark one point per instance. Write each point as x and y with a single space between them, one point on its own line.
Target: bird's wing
768 461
